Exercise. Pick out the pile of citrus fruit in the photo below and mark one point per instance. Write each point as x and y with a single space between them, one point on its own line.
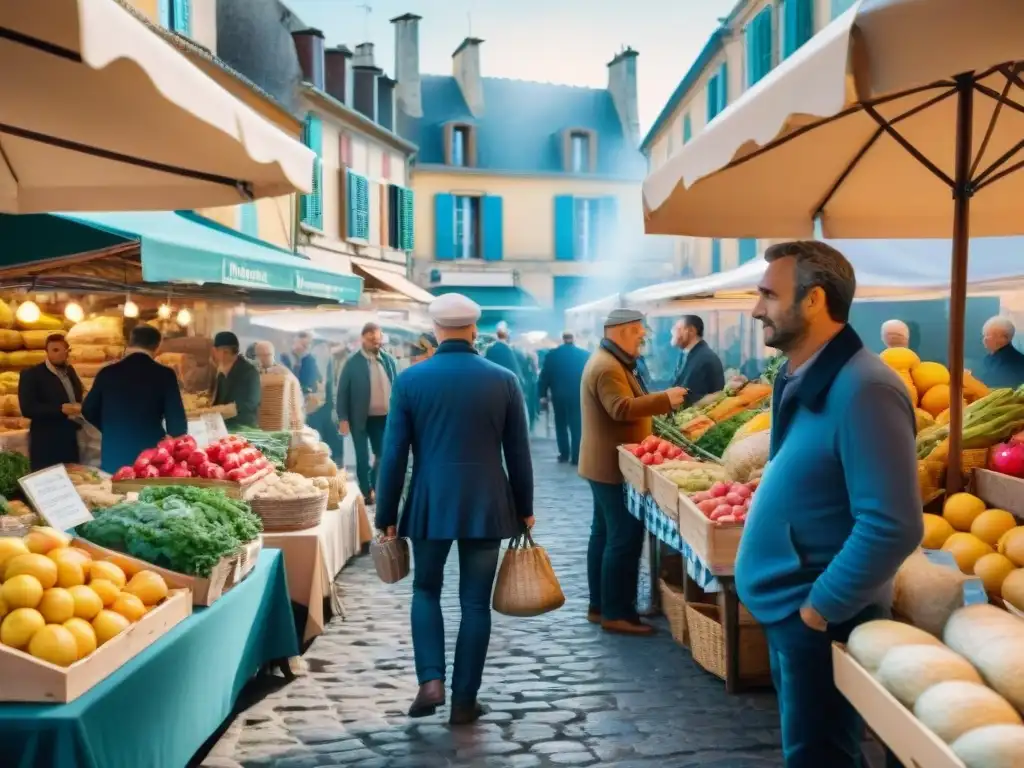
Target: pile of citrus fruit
59 604
987 543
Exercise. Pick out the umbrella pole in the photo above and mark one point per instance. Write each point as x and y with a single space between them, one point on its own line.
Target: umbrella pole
958 279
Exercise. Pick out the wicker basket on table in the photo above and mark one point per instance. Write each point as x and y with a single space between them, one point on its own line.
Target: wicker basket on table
280 403
707 642
673 605
283 515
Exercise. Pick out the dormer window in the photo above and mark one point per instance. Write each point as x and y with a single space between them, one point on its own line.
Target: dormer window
460 145
579 150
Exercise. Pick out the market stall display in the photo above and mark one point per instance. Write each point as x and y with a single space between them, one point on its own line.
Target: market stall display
287 502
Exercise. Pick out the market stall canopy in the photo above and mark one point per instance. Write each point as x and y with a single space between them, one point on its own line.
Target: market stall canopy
858 128
392 281
175 249
332 323
99 113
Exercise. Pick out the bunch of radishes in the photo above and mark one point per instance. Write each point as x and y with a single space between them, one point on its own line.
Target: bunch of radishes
230 458
726 502
654 450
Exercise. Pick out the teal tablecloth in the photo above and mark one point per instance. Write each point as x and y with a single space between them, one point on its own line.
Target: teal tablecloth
158 709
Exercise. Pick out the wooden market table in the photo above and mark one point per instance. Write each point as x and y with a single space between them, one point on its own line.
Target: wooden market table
315 556
160 707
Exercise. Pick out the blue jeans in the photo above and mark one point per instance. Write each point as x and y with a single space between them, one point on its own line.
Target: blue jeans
819 726
613 556
478 562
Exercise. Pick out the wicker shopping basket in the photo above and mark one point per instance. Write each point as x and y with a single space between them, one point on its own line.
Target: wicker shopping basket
707 642
282 515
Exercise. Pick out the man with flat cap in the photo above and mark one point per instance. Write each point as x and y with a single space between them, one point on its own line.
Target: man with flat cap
238 382
616 409
461 416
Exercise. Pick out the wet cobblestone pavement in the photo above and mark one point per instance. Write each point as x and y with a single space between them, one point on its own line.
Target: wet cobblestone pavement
561 692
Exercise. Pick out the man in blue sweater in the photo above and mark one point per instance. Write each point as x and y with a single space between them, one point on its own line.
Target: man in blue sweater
838 509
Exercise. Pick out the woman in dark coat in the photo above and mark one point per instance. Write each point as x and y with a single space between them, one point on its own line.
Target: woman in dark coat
44 393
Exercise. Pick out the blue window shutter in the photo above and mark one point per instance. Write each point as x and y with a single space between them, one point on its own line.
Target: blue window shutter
565 240
752 42
799 24
163 10
406 212
444 227
716 256
748 249
249 222
182 16
723 86
759 46
687 129
311 206
491 222
766 40
712 88
362 207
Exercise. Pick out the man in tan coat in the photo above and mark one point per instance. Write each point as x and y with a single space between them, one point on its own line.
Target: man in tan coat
616 409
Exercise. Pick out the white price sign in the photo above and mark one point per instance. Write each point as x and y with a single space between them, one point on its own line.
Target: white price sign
215 428
197 429
55 498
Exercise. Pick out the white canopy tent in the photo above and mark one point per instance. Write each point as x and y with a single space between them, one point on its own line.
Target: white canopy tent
333 324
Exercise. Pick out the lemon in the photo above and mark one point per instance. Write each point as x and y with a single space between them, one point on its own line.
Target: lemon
22 591
4 610
57 605
101 569
19 625
85 635
88 602
71 555
42 539
991 524
936 531
966 550
993 569
960 510
55 644
109 625
107 591
129 606
148 586
69 573
10 547
40 566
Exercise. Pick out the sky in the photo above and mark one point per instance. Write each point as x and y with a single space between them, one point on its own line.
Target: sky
559 41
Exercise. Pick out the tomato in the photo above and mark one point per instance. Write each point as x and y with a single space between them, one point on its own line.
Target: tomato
248 455
664 447
160 456
167 444
230 462
181 470
650 444
185 440
149 471
235 475
216 473
215 451
165 469
124 473
140 464
639 451
647 458
657 458
197 458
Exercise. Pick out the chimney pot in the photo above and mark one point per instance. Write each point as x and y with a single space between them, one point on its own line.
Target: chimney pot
364 55
386 102
409 84
466 70
338 73
623 90
309 47
365 98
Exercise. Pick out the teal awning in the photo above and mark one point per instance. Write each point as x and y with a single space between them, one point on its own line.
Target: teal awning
181 247
493 297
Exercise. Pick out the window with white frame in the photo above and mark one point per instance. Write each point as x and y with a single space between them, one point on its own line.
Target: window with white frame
467 227
460 145
579 144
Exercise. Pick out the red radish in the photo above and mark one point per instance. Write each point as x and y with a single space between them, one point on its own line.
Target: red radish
197 458
124 473
639 451
140 465
217 473
235 475
741 490
248 455
165 470
214 452
148 472
181 470
647 458
657 458
148 455
719 490
185 440
738 510
160 456
700 496
230 461
650 443
1007 458
167 444
733 498
720 511
707 506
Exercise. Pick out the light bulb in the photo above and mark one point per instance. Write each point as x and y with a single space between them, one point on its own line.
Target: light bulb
184 317
164 312
28 312
131 309
73 311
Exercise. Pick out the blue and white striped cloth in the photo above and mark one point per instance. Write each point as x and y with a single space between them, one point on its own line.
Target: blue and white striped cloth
644 508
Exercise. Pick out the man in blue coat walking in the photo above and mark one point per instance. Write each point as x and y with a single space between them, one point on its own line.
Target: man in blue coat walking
460 415
501 353
561 376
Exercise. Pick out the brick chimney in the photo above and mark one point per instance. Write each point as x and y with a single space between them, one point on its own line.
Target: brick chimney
466 69
338 73
309 47
408 91
622 87
386 102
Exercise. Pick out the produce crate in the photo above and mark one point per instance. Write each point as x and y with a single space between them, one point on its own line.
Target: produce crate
633 470
228 411
665 492
715 545
232 489
999 491
205 592
25 678
245 561
706 636
894 725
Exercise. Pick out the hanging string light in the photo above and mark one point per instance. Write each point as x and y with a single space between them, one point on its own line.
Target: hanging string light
164 311
184 318
73 311
131 309
27 312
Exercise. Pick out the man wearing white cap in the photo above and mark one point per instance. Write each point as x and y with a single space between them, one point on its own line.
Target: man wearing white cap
895 333
617 409
461 415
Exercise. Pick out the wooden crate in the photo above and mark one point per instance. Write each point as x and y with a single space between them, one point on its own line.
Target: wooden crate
205 592
633 470
232 489
714 544
228 411
999 491
893 724
665 492
28 679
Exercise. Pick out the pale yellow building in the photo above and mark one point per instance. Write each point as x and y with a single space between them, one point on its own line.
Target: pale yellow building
527 195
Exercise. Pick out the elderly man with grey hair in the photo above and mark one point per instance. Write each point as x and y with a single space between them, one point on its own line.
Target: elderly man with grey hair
843 433
895 333
1004 364
266 359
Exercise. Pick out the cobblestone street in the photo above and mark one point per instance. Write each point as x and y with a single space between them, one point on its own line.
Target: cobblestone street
561 692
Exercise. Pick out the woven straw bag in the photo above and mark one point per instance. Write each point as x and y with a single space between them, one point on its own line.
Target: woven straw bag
527 585
390 558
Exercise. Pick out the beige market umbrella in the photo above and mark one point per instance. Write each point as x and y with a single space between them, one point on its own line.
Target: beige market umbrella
97 112
902 118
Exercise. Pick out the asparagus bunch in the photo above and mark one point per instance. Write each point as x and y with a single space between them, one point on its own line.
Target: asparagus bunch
987 421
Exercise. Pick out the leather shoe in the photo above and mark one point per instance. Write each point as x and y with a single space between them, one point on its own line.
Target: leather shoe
428 699
466 714
627 627
593 615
